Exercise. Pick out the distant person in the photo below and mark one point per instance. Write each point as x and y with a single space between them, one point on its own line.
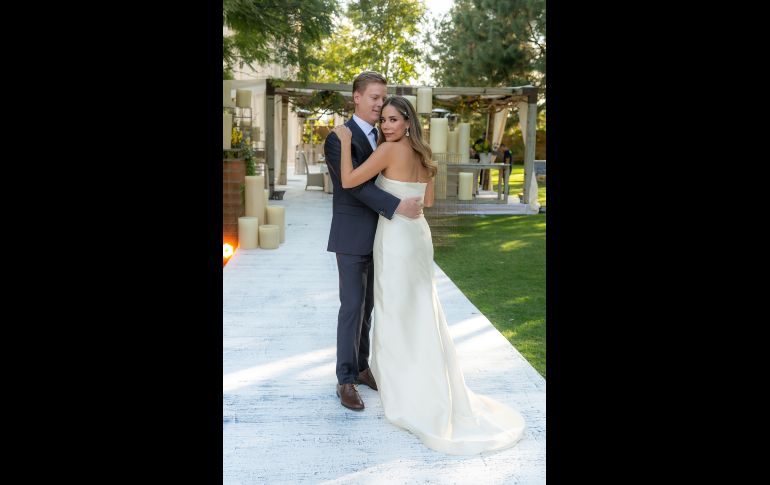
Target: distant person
505 154
481 146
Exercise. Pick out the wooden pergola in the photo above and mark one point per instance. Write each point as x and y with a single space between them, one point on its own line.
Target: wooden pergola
490 99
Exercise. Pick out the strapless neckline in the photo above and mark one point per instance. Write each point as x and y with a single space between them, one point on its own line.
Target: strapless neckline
401 181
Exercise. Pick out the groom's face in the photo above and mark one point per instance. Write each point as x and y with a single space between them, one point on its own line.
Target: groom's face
369 103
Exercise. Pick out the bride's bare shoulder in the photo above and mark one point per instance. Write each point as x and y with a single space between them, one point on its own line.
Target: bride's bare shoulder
392 148
388 145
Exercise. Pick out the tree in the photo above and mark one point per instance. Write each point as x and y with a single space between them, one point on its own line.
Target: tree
282 32
381 36
490 43
337 58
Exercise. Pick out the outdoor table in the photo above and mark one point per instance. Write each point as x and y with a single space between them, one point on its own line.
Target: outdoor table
502 192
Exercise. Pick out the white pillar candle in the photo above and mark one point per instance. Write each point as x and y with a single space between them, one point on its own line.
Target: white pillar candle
451 141
465 186
276 216
425 100
255 202
464 142
267 197
438 134
227 131
243 98
248 232
413 100
269 237
227 94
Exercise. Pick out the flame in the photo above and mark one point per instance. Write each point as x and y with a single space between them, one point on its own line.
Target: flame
227 251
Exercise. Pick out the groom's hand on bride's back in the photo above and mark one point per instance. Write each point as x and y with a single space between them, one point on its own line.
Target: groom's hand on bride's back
410 207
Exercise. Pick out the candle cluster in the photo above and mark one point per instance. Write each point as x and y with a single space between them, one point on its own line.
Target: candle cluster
264 225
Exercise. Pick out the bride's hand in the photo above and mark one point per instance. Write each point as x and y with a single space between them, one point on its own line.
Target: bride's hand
343 133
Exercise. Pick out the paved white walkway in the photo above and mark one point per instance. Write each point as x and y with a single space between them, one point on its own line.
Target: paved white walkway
282 422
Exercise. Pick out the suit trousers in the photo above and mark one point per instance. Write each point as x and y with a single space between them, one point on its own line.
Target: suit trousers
354 321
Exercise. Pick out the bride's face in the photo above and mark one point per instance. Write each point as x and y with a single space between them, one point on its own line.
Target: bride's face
392 123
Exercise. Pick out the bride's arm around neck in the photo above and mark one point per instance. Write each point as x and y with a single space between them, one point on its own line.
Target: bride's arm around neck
376 163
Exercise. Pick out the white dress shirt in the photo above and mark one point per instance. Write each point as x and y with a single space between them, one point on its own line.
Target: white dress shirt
367 129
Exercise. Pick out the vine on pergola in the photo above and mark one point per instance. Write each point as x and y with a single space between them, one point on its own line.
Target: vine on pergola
323 102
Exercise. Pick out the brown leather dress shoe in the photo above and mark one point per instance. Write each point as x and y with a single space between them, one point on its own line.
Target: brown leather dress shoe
349 397
366 377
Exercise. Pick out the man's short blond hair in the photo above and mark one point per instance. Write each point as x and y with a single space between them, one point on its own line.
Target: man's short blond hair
365 78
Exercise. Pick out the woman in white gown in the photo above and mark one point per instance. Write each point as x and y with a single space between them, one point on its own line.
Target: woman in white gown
413 358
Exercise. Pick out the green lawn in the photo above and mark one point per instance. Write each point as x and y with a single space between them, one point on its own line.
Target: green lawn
498 262
516 183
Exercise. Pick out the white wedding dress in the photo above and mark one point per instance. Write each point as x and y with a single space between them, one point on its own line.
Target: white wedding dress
413 358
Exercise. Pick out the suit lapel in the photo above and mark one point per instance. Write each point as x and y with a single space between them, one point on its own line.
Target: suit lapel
359 138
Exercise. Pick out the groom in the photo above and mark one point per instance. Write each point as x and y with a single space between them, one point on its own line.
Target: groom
354 221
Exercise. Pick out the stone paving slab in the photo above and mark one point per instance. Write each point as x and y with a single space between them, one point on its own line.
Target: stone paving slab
282 422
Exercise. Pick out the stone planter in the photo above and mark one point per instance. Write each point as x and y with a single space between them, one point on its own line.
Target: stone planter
487 157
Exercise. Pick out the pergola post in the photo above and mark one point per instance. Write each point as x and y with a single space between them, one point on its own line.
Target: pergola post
270 132
284 140
530 139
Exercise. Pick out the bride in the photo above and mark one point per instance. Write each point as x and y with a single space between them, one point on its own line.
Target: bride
413 358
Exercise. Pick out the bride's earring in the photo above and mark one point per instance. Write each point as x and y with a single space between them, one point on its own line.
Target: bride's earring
407 131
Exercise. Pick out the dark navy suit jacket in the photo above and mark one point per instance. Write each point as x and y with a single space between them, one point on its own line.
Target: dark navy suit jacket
355 211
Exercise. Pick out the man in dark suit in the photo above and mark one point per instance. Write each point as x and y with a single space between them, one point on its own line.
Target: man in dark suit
355 213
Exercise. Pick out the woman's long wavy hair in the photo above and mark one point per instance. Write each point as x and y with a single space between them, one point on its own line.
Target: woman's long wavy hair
406 109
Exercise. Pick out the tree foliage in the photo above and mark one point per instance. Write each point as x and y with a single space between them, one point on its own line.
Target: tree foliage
382 36
283 32
337 55
489 43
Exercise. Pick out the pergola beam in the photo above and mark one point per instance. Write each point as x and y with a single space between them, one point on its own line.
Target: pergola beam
402 89
314 86
460 91
528 94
